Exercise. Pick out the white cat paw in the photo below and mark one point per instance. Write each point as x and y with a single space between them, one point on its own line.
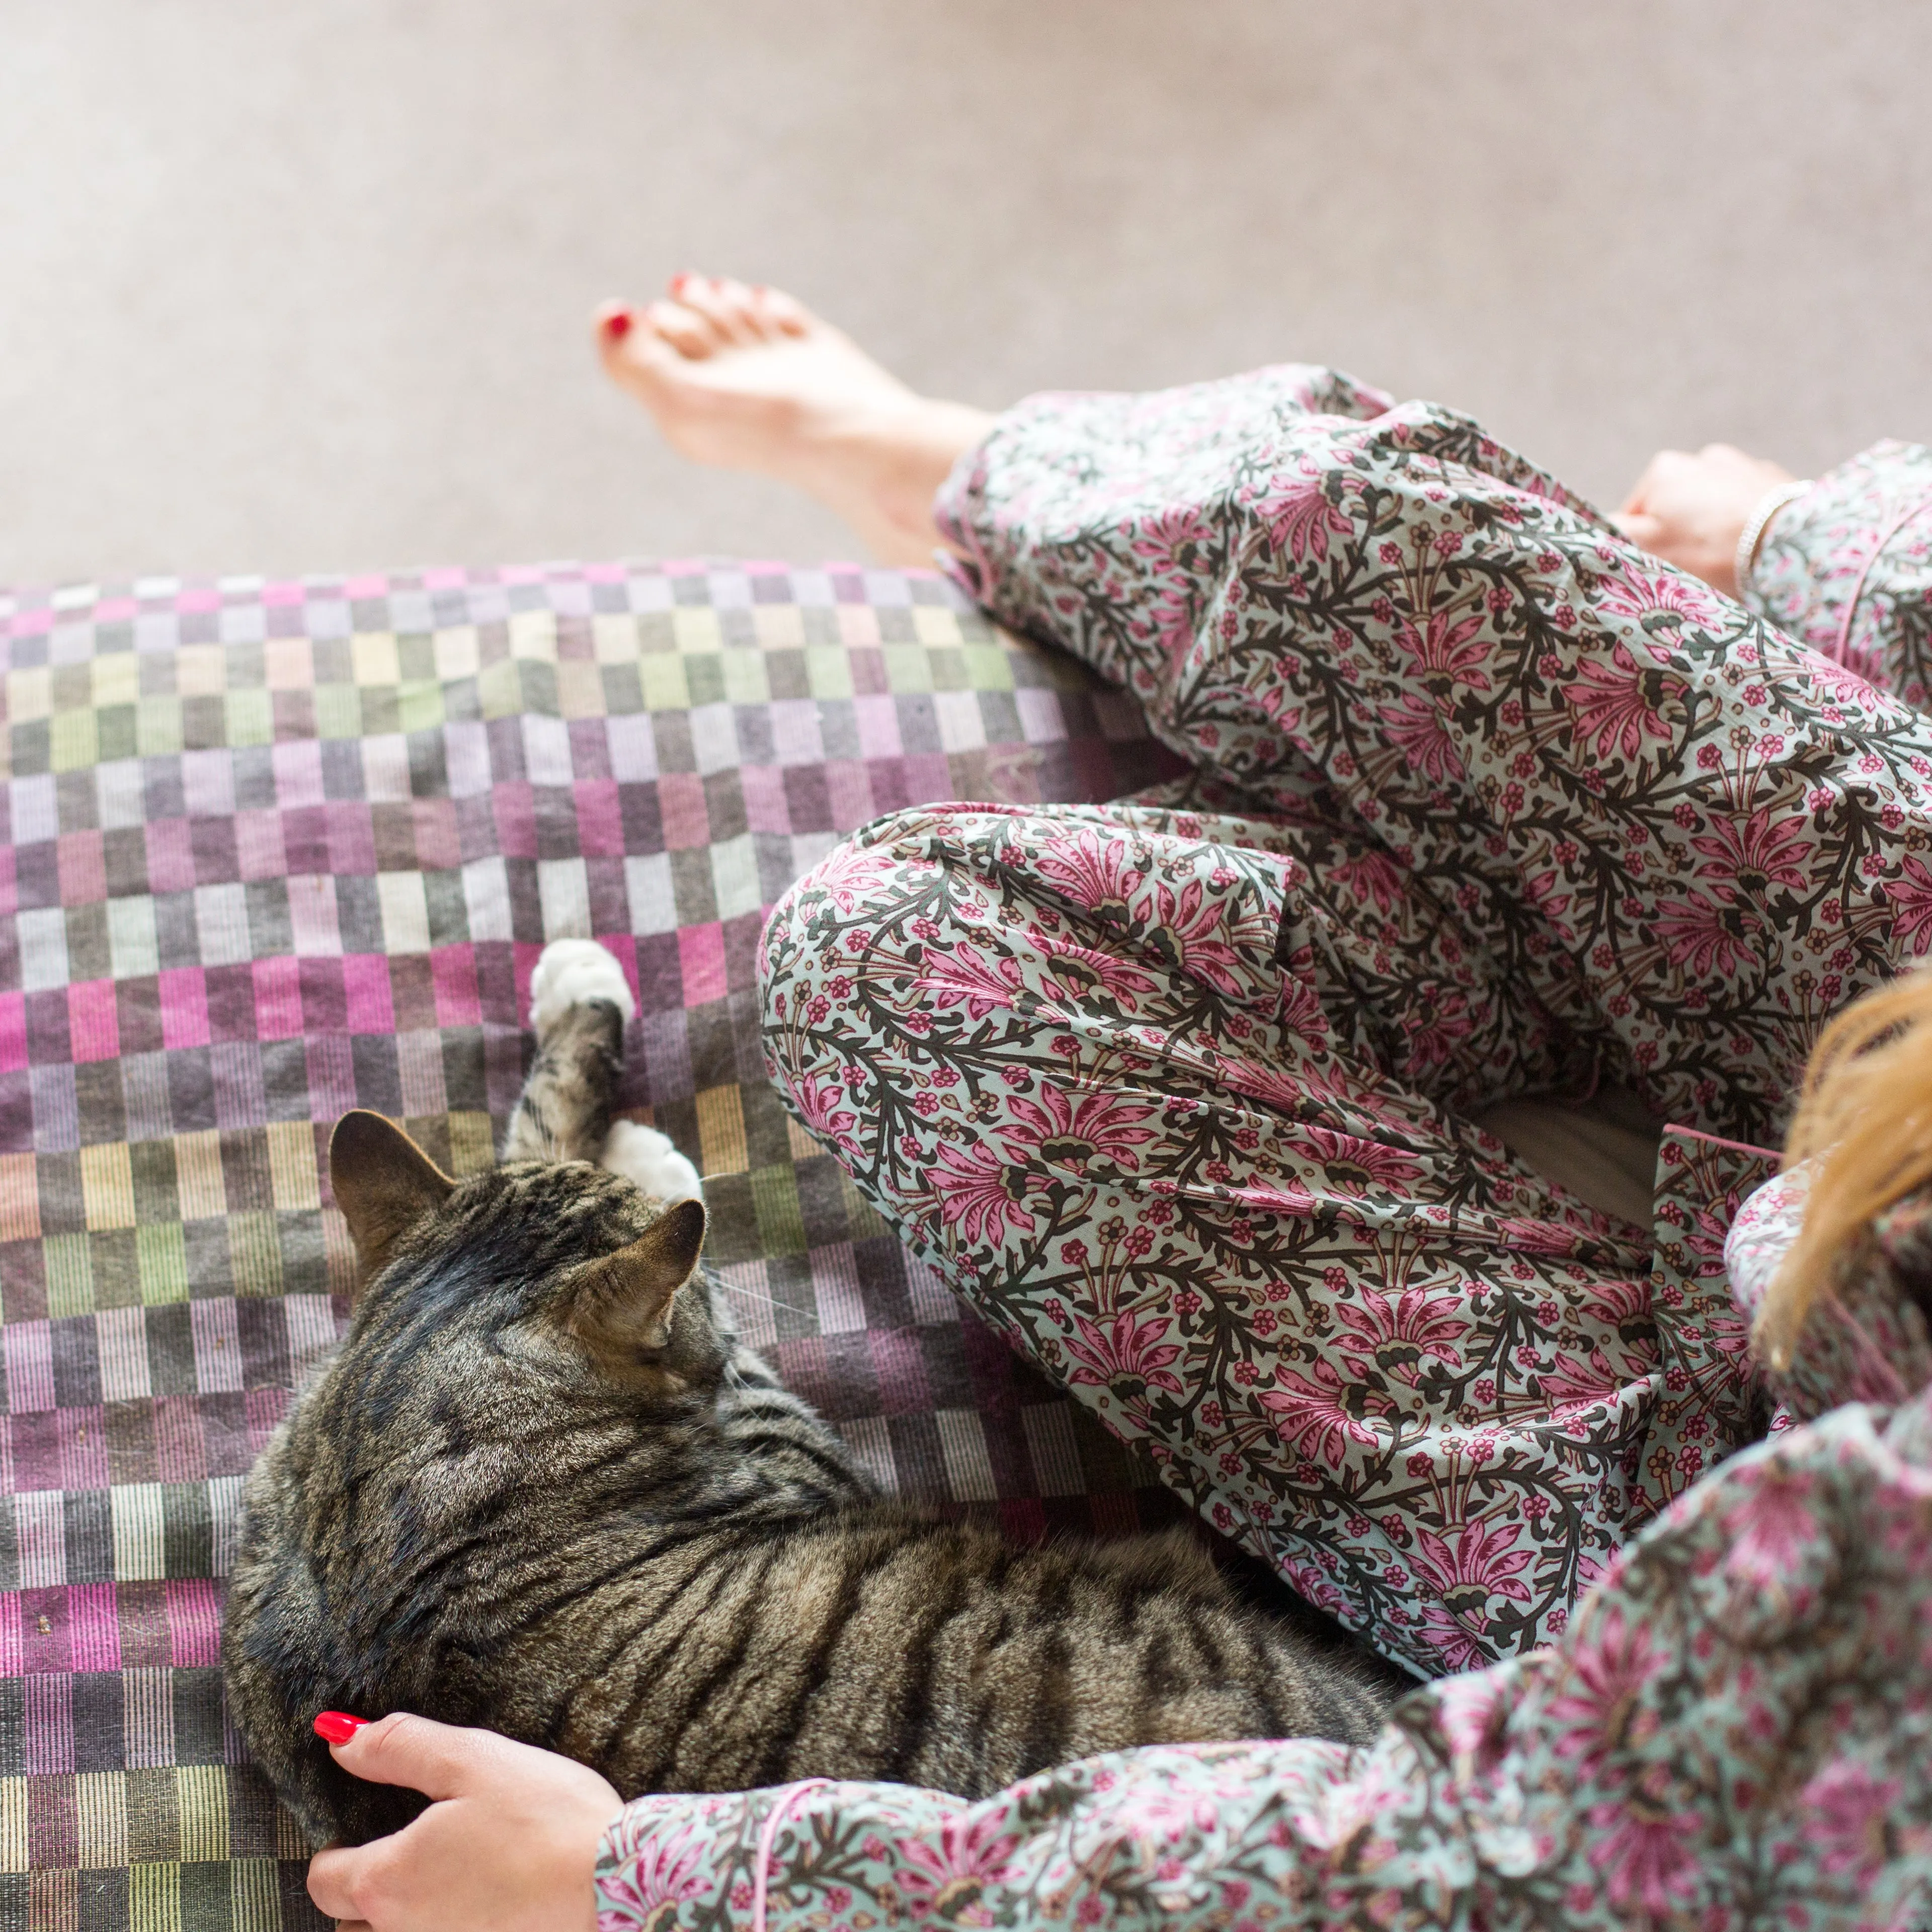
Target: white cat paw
571 972
643 1155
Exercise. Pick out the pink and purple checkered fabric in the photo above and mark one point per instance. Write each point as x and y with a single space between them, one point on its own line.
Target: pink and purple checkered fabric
273 850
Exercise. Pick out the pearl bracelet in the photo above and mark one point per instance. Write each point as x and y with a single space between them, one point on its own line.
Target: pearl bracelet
1752 533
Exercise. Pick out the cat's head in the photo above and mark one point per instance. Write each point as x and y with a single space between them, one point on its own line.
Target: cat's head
563 1266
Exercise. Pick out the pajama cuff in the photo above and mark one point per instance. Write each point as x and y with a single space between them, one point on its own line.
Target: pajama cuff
961 508
1846 567
1005 505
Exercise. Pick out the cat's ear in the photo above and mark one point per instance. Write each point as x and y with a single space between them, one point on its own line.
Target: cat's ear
621 1304
383 1183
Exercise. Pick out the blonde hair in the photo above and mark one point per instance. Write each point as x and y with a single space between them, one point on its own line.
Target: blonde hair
1864 1122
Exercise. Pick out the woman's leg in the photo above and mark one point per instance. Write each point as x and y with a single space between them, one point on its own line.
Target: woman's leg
1688 840
747 378
1691 842
1060 1049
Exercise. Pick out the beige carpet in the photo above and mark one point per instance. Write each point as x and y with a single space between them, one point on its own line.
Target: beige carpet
300 286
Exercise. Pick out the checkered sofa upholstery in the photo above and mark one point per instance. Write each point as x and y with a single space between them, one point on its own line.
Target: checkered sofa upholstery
271 850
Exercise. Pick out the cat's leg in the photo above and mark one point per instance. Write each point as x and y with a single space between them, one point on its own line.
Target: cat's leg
580 1005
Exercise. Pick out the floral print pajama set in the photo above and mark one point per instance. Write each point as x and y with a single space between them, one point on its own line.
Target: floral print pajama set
1177 1092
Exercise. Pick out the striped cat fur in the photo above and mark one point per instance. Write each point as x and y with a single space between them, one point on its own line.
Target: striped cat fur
539 1486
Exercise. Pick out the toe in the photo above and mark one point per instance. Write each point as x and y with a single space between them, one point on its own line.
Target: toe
778 313
736 298
614 329
635 356
687 329
703 296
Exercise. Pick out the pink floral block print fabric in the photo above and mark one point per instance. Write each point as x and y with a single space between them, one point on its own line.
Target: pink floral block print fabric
1733 1733
1868 1338
1484 803
1846 569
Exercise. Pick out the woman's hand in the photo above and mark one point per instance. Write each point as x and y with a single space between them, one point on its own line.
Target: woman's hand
1691 510
509 1842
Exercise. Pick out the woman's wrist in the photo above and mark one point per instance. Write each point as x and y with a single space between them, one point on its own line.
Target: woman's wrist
1760 521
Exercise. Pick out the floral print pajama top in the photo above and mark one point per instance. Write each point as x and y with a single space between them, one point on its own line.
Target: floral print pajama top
1484 803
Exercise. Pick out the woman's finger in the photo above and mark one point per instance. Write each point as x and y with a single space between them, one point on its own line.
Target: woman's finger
333 1877
1644 487
1645 532
438 1760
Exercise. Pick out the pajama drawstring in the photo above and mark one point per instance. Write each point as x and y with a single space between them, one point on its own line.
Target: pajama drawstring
768 1838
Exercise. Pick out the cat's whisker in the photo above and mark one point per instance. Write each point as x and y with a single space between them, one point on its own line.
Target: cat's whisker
744 1298
764 1298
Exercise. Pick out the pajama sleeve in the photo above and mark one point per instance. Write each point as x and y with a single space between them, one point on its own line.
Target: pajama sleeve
1736 1725
1145 1839
1866 1338
1846 567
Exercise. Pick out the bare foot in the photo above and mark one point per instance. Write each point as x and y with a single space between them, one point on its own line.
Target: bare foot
748 378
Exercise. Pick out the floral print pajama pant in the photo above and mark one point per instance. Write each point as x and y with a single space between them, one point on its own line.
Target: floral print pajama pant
1174 1091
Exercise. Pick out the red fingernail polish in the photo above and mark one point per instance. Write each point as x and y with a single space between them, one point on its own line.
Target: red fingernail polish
617 326
338 1727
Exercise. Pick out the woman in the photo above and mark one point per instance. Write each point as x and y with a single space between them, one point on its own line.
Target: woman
1486 803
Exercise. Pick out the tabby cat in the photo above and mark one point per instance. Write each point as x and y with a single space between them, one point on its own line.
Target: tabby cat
539 1486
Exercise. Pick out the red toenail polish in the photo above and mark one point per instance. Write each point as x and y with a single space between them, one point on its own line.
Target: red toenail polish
338 1727
617 326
